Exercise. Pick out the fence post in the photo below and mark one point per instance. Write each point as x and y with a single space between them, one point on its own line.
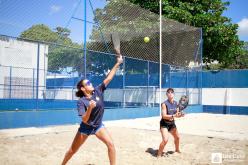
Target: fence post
169 76
148 83
72 86
123 83
33 81
187 85
10 81
54 85
37 76
85 31
201 76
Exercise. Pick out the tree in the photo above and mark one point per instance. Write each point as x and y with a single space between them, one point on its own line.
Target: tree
246 46
62 51
40 32
242 59
63 36
43 33
221 42
63 32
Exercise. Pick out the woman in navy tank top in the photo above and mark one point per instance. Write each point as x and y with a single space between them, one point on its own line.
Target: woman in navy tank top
90 109
167 122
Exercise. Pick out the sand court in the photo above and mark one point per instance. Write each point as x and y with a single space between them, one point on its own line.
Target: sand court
136 142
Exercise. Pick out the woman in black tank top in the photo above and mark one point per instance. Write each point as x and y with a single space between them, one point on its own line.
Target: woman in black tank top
167 123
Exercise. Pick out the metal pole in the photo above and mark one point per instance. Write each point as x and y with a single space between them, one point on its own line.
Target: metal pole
148 83
37 78
85 31
187 85
10 81
72 89
55 86
123 83
169 76
200 93
160 55
33 81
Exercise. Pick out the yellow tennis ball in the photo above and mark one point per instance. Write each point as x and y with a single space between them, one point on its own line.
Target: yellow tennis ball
146 39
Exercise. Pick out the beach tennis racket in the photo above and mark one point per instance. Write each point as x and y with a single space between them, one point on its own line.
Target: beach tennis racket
116 42
183 103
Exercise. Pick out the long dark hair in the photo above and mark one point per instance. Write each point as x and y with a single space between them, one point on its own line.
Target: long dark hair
80 93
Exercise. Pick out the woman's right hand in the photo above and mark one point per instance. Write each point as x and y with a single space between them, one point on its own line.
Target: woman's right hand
179 114
92 104
119 59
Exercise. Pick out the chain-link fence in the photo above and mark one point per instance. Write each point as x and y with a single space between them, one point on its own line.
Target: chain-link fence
45 53
136 82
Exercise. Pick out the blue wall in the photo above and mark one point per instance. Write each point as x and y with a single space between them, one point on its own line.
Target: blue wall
31 104
225 79
238 110
210 79
52 104
220 79
59 117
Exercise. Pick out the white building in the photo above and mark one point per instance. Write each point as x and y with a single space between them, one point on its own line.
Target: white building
18 68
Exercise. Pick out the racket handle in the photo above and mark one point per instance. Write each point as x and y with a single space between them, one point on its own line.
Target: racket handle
118 52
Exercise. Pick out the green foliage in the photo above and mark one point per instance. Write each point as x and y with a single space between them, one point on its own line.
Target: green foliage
61 57
64 32
220 35
62 52
40 32
43 33
221 42
246 46
242 58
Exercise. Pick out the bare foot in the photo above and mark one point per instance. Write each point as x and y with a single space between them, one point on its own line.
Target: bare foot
159 155
178 151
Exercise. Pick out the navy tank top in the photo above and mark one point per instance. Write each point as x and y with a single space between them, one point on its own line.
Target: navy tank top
171 107
96 115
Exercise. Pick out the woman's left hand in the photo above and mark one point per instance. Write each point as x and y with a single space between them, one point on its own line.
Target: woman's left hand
179 114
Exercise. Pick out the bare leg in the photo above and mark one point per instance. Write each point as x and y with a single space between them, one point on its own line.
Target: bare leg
165 137
176 136
77 142
105 137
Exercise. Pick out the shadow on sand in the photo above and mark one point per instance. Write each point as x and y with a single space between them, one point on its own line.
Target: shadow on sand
154 152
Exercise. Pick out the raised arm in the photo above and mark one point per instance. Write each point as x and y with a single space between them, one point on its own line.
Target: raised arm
113 70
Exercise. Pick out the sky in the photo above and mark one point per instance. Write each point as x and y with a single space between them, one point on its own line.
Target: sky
19 15
238 12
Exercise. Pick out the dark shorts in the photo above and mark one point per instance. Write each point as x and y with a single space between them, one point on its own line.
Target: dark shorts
89 130
167 124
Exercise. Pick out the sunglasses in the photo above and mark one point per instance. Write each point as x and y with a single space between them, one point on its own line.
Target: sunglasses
87 83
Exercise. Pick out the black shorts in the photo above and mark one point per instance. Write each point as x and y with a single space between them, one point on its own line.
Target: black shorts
167 124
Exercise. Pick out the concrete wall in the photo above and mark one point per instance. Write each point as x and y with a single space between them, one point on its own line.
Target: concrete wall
18 60
225 100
